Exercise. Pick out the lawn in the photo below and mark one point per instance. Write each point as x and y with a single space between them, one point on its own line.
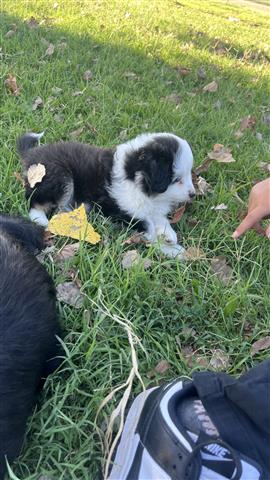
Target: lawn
181 312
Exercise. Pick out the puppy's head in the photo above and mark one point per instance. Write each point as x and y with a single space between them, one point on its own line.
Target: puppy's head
161 164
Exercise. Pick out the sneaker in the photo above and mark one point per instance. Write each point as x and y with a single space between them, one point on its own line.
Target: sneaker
168 436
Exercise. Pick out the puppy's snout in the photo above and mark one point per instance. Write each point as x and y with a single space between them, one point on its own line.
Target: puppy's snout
191 193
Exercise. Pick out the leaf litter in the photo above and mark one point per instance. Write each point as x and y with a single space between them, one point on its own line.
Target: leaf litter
70 294
260 345
11 85
222 270
221 154
35 174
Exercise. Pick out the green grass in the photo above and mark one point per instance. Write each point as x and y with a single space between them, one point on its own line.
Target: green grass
149 39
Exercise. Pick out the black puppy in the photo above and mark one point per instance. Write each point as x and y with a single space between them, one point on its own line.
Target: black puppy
28 324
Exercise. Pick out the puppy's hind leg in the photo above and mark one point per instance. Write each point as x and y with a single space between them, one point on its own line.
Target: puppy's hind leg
66 203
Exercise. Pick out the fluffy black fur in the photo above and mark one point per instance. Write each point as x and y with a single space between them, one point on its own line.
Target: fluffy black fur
28 324
88 169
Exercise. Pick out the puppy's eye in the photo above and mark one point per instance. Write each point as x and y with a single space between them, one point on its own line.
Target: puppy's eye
178 180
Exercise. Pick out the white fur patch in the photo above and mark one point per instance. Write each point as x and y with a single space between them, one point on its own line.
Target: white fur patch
39 217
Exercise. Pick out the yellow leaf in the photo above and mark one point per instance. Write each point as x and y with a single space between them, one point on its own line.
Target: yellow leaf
74 224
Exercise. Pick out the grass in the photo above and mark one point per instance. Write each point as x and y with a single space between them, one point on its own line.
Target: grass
150 39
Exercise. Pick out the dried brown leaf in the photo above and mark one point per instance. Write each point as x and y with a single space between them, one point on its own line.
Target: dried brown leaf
211 87
70 294
173 98
57 91
221 154
50 50
260 345
76 133
266 118
135 239
194 253
88 75
183 71
221 206
11 85
201 74
245 123
162 367
77 93
203 167
67 252
35 174
265 166
220 360
32 22
38 103
222 271
202 186
130 258
177 215
130 76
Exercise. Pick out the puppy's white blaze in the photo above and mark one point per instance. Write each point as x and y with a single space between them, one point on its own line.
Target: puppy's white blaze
37 136
39 217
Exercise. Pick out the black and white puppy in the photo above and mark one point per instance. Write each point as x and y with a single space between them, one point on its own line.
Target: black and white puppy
28 326
142 180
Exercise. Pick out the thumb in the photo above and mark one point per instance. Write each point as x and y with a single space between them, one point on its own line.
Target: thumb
267 232
253 217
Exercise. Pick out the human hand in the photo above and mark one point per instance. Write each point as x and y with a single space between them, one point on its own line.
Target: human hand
258 208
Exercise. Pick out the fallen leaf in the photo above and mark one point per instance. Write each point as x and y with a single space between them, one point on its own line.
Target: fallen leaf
77 93
35 174
222 271
67 252
266 118
183 71
135 239
211 87
173 98
130 75
201 74
123 134
70 294
11 85
162 367
265 166
217 105
74 224
260 345
221 154
177 215
202 186
59 118
57 91
62 45
32 22
46 252
246 122
50 50
130 258
221 206
76 133
88 75
11 31
203 167
220 360
259 136
38 103
194 253
188 354
188 332
147 263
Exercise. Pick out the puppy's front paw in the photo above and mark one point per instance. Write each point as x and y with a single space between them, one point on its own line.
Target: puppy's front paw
166 235
174 251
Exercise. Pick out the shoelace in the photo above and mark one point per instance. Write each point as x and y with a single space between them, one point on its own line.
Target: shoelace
197 449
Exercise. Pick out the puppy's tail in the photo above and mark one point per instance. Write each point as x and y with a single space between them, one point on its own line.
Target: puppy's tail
26 233
27 141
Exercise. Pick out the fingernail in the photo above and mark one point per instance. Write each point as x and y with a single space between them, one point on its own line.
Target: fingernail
235 234
268 235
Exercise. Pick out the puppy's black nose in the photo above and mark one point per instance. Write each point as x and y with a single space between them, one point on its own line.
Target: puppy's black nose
192 194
